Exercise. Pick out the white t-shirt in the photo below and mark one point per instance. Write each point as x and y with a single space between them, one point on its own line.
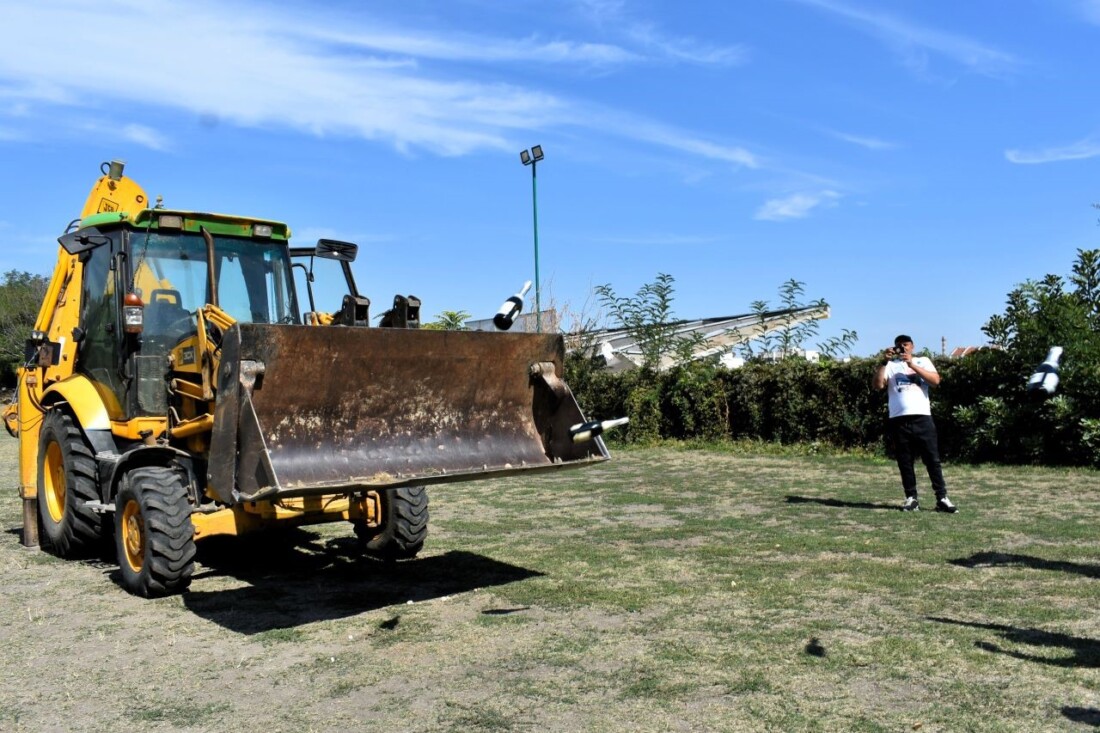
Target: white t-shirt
908 392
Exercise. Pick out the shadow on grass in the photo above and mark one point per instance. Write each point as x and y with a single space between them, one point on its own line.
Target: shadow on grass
301 580
1084 652
1088 716
989 559
840 504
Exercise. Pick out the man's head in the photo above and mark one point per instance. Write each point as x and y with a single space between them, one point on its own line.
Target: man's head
904 343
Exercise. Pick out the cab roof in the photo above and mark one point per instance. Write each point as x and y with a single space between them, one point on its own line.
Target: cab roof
188 221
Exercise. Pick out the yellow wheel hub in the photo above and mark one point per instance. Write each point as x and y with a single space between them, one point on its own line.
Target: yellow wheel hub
133 536
53 482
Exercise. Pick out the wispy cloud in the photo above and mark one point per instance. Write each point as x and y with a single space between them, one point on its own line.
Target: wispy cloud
614 14
310 73
145 136
479 49
687 49
1087 148
796 206
264 72
676 139
90 127
871 143
914 41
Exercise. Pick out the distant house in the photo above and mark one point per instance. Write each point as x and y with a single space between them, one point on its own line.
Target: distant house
960 351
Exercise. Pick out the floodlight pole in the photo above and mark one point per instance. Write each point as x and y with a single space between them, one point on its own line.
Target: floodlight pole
532 157
535 211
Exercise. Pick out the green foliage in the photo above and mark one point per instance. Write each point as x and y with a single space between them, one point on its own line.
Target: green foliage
695 399
788 401
643 405
647 317
790 336
694 402
837 347
448 321
761 336
982 409
21 296
789 339
794 400
1051 311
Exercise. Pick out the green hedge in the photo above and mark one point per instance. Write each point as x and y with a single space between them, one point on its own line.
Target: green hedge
981 407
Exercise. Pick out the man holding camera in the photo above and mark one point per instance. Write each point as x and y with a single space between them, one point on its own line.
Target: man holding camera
908 378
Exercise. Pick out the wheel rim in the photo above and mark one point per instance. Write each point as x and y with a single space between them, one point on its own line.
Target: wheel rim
133 536
53 479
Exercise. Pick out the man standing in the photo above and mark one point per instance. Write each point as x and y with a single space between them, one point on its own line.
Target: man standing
907 379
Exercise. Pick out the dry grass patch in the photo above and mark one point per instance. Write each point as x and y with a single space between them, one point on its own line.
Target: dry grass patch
668 590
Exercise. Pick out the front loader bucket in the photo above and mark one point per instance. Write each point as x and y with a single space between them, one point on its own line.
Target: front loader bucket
306 410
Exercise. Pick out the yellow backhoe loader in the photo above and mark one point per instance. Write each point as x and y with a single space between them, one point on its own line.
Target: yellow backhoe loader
174 390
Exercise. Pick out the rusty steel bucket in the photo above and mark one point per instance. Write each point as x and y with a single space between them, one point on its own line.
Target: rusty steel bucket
305 410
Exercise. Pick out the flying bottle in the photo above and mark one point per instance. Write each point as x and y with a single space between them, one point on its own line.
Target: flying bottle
511 308
589 430
1044 381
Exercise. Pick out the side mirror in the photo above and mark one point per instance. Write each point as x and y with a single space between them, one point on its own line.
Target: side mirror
331 249
76 242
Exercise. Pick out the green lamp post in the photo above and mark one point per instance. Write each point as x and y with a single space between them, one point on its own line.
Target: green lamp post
532 157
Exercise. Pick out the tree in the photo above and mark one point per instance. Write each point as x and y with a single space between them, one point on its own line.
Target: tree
647 317
791 335
21 296
836 347
1044 313
449 321
1038 314
788 338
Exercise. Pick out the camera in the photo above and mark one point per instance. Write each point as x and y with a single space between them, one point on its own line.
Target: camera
894 352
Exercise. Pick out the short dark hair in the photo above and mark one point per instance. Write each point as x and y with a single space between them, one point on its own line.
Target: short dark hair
901 339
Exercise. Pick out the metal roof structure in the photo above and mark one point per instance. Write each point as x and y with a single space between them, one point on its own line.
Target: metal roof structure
621 351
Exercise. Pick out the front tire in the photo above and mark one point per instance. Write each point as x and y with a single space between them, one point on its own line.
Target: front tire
66 481
404 525
154 536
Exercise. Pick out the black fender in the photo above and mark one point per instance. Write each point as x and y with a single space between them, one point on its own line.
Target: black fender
151 455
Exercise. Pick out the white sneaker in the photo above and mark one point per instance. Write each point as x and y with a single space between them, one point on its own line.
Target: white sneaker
910 504
945 505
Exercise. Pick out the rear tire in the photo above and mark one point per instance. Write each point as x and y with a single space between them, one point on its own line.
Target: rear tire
66 480
154 536
404 525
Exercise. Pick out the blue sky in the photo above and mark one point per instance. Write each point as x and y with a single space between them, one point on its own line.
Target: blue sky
909 160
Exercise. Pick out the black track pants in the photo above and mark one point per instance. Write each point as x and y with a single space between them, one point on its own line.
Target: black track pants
916 435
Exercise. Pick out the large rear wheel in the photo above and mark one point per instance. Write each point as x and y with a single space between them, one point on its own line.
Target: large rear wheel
154 536
404 525
66 480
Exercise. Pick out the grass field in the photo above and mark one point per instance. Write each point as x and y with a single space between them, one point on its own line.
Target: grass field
669 590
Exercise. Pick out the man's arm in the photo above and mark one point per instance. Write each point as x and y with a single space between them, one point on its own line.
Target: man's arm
929 374
878 381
